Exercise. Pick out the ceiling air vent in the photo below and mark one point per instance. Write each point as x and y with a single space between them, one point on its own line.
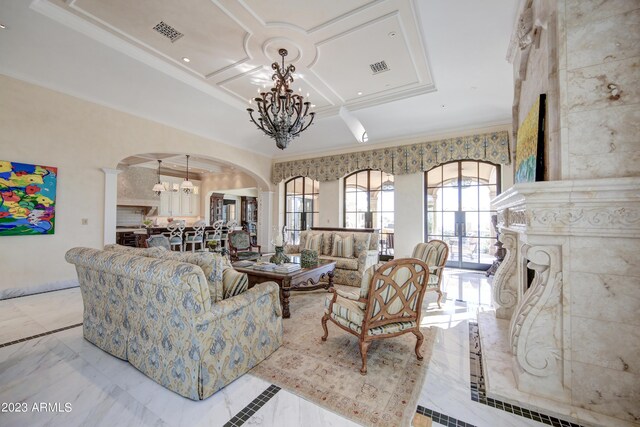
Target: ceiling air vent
168 31
379 67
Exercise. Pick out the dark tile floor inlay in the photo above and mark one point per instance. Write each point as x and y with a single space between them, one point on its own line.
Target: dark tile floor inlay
40 293
443 419
253 407
40 335
479 393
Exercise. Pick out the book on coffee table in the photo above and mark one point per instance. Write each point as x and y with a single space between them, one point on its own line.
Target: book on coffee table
287 268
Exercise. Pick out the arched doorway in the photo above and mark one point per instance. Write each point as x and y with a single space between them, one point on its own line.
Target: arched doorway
458 210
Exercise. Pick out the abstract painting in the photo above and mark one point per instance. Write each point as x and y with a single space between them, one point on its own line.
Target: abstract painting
27 199
529 165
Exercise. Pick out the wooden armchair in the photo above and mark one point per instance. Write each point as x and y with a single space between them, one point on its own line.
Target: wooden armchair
434 253
240 246
389 304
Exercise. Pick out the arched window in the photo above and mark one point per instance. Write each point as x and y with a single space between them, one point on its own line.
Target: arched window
458 210
301 206
369 203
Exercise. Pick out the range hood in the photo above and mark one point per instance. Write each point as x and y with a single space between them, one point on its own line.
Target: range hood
148 206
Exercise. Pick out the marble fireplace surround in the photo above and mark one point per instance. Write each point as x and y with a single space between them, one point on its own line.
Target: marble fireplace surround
568 340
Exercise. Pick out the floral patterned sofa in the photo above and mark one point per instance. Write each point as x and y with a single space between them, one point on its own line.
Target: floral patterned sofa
169 318
350 267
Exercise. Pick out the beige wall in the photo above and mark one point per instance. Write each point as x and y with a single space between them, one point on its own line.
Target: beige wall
330 200
45 127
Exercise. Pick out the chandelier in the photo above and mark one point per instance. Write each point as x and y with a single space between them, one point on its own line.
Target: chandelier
283 113
187 186
159 187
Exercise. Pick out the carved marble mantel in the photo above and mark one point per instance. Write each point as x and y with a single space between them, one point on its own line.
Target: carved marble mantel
564 232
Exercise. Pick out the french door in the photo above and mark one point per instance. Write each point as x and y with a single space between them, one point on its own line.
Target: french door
458 211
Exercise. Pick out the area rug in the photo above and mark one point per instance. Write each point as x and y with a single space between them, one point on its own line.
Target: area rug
328 373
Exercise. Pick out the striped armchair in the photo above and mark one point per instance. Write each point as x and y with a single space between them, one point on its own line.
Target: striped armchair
434 253
389 304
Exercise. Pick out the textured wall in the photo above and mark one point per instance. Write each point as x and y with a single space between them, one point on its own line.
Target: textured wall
41 126
136 183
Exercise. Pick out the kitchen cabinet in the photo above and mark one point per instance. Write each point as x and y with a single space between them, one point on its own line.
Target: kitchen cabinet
174 202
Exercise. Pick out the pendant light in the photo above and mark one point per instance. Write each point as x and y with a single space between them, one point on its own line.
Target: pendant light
159 187
187 186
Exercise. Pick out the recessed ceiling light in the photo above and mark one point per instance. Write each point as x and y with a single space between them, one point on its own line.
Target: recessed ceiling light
443 106
2 26
359 93
392 34
185 59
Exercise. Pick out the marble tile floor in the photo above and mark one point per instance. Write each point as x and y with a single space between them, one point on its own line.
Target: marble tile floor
64 368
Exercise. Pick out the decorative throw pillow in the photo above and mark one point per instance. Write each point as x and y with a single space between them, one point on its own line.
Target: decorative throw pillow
342 246
327 241
234 283
313 242
361 243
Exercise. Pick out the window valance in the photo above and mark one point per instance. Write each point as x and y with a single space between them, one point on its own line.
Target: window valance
405 159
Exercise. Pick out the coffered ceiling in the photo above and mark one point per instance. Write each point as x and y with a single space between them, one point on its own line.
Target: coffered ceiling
443 62
231 44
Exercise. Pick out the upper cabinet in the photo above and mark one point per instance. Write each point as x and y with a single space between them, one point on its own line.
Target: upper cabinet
174 202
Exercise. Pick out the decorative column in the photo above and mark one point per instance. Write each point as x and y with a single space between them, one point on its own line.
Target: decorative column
265 220
110 204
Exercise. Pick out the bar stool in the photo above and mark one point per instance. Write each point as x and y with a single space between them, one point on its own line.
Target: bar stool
176 228
214 235
195 237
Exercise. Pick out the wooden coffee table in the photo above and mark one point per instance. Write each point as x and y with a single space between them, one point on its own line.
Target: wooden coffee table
305 279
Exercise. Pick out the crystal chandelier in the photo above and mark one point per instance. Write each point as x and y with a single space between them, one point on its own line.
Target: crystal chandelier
283 113
187 186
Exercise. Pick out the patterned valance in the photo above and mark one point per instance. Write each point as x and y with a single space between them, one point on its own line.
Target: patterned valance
405 159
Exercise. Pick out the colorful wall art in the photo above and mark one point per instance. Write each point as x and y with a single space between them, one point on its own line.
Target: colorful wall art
27 199
529 165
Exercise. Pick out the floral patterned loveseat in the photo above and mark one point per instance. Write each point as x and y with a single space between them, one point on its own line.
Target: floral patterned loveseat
350 268
169 319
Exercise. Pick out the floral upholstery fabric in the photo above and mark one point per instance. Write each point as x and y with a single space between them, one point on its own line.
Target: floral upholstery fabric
327 242
345 273
212 264
158 314
343 263
160 241
139 251
240 240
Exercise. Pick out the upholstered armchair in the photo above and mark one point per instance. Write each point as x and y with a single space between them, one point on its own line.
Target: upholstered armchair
389 304
434 253
240 246
158 240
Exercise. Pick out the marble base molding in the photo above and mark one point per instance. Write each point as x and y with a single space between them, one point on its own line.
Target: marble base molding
38 289
571 247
